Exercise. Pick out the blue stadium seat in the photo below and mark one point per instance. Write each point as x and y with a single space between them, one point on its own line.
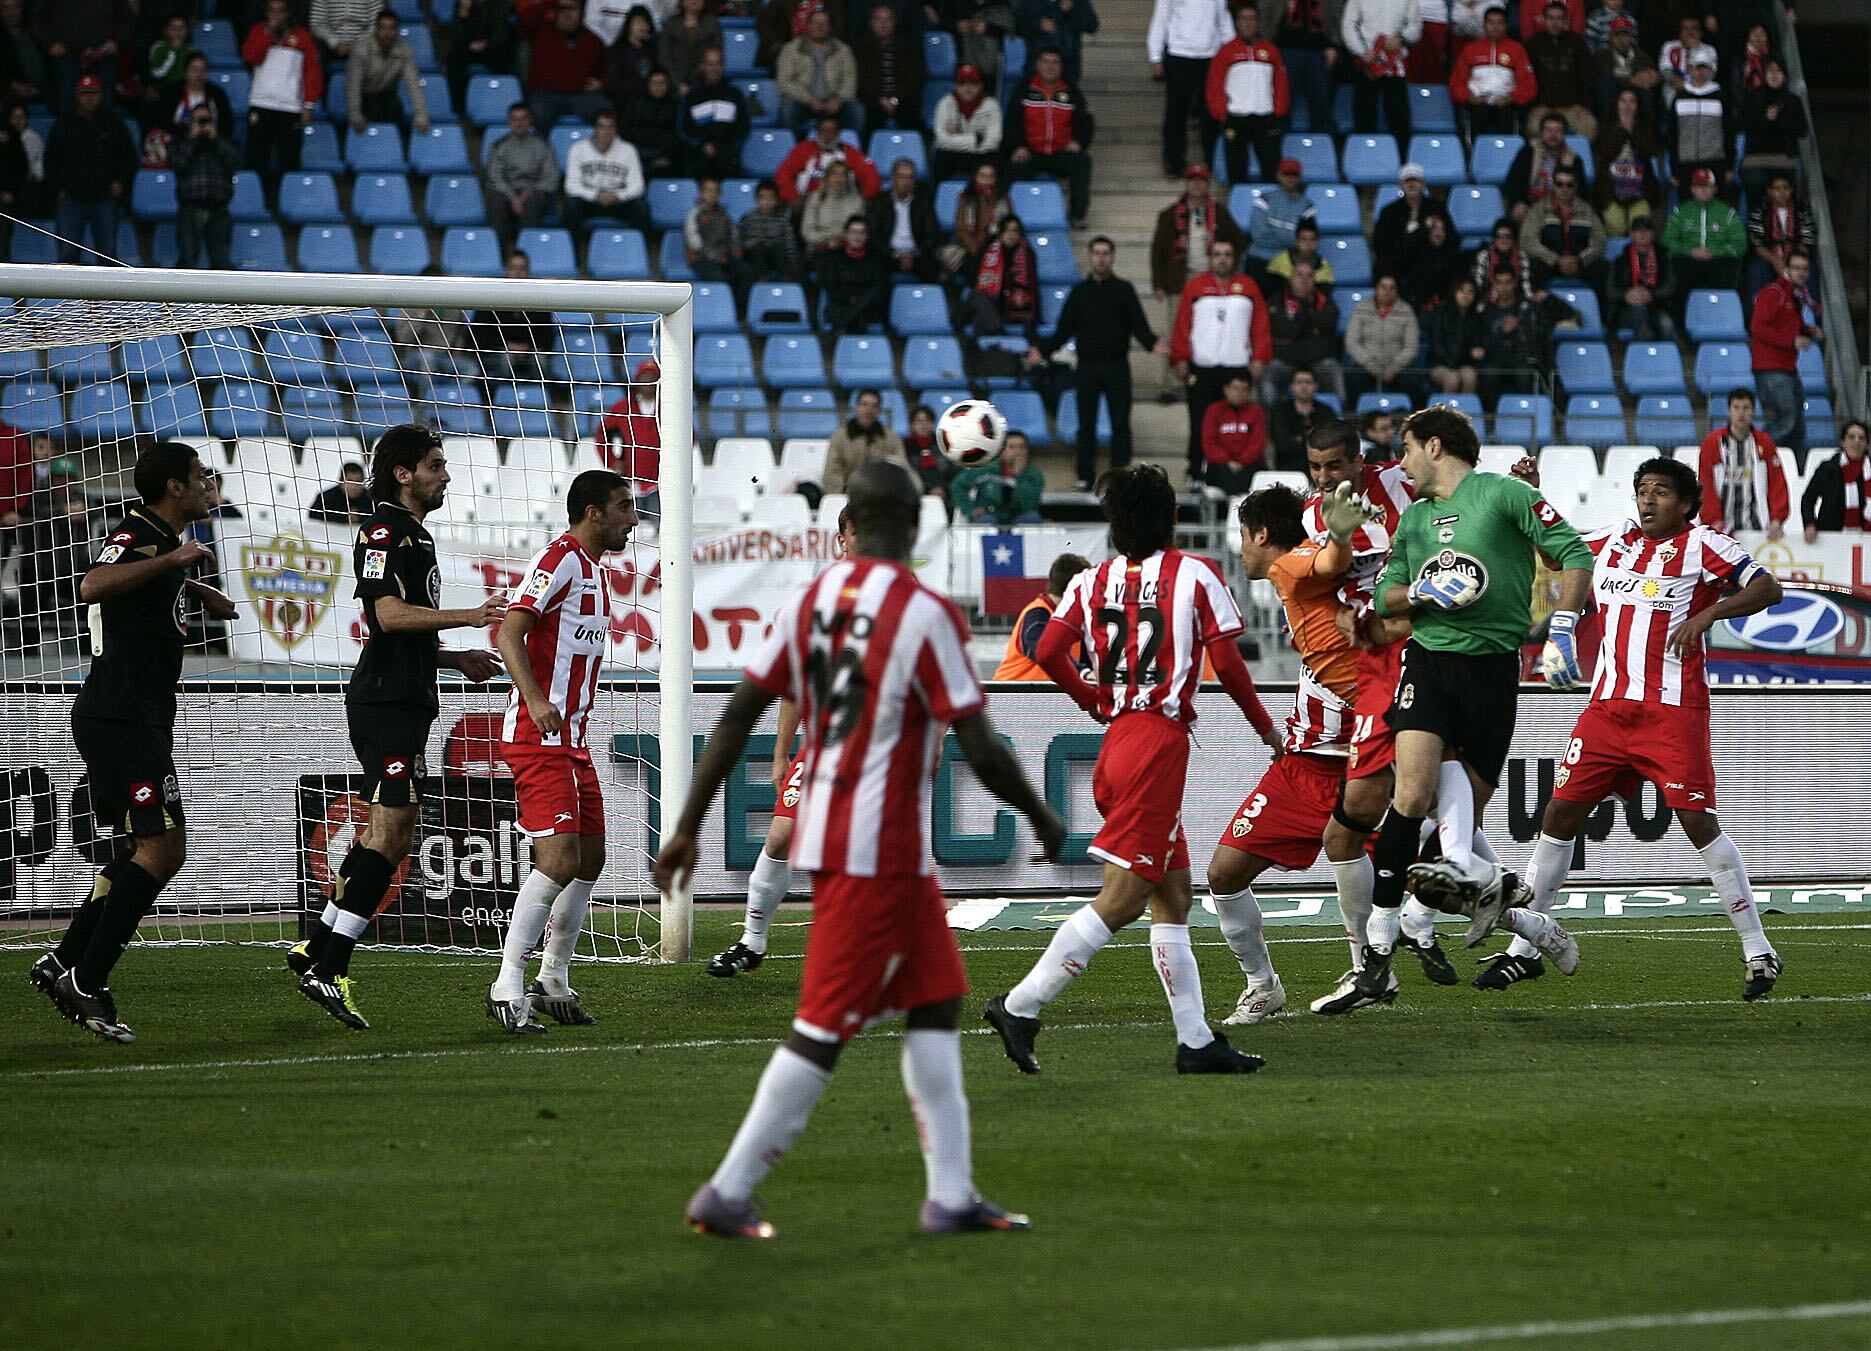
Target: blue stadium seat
1441 157
171 410
1583 148
471 252
443 149
670 200
1051 306
740 411
222 354
382 199
400 251
1585 368
858 362
939 400
1318 160
103 412
335 97
1348 298
807 413
294 355
738 49
1594 420
1371 159
1535 411
1474 208
460 408
714 308
15 364
1039 205
155 360
152 195
39 245
164 252
1383 402
319 152
763 99
1666 420
723 359
422 46
236 84
764 149
1337 212
1012 343
1068 420
1464 403
1241 198
1492 157
1821 421
919 309
32 405
1653 368
887 147
1431 109
582 358
79 363
1722 366
1714 316
311 412
249 202
672 261
737 196
617 255
1350 257
1024 412
566 133
793 363
489 97
435 96
939 55
947 197
377 149
238 408
1013 55
1591 322
777 308
214 39
309 199
328 248
375 414
260 248
452 200
520 409
550 253
366 363
1053 251
933 361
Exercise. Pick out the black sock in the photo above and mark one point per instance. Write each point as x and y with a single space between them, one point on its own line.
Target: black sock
365 878
1397 843
84 919
132 894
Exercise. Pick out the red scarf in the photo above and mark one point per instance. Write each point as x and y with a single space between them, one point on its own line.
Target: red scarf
1853 473
1781 226
859 254
923 448
966 107
1013 278
1498 260
1753 69
1292 304
1642 265
1182 227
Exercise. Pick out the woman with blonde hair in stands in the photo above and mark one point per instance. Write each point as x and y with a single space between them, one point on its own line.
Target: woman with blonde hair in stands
833 202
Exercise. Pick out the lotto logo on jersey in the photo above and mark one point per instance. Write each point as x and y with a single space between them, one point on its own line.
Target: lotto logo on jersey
375 561
378 534
396 768
142 794
1544 510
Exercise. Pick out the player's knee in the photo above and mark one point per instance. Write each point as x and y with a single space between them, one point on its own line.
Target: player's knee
942 1016
1227 872
162 856
591 859
780 840
1702 828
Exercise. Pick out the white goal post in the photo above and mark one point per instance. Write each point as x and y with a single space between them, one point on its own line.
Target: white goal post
119 307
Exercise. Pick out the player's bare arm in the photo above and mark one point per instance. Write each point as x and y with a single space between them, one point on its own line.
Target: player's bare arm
1000 773
114 579
746 706
1055 659
473 664
783 743
511 640
1756 596
396 615
214 602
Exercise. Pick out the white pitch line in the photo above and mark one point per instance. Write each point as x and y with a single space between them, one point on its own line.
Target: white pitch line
711 1043
1587 1327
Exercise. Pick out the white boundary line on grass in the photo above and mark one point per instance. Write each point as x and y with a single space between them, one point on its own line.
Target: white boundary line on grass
713 1043
1587 1327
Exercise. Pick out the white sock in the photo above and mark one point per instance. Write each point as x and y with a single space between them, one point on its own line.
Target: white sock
765 890
351 925
531 909
1730 876
789 1090
1529 926
1417 920
1247 939
1455 816
1382 928
932 1078
1354 878
1065 959
1484 850
563 928
1546 873
330 916
1182 982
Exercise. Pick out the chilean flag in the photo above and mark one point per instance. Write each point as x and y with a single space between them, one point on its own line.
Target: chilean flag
1005 586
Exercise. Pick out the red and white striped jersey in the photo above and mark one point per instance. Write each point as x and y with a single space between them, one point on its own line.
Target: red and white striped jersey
1387 488
565 586
1142 625
878 665
1645 588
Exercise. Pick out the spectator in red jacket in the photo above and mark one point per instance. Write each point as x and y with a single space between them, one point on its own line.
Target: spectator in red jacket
1234 437
629 439
1786 322
1247 97
1493 78
1532 12
1049 132
799 173
287 84
566 75
1743 486
1221 330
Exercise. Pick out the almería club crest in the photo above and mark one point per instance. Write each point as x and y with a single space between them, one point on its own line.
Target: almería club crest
291 584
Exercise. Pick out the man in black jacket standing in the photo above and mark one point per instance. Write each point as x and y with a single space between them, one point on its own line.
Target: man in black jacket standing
90 164
1103 314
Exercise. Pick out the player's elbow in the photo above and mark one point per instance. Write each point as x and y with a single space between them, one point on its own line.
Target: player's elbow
1771 589
88 589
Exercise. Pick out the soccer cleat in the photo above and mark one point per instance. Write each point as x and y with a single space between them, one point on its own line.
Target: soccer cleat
711 1213
563 1009
734 961
1762 973
1257 1002
981 1216
1491 901
1436 963
44 975
1374 978
299 958
514 1015
95 1012
333 994
1506 968
1346 997
1562 947
1017 1034
1218 1057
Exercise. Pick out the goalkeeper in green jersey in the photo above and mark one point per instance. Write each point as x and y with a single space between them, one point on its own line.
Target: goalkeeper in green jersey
1461 570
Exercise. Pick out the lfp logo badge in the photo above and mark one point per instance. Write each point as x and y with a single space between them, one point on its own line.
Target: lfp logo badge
291 584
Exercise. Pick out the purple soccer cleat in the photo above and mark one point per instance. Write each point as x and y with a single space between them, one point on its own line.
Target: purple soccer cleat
711 1213
980 1217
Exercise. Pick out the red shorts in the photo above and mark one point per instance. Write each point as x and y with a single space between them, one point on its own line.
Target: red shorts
1284 818
1141 772
1373 744
787 807
557 790
1618 743
879 946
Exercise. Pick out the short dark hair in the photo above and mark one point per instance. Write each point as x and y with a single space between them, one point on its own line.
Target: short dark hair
1064 568
163 463
1448 425
603 113
1370 417
1277 511
844 518
518 105
1800 253
856 218
403 446
874 393
1739 392
1105 240
383 14
1494 9
1683 479
900 160
1504 223
1307 227
1566 171
1550 116
517 252
1335 433
1140 504
766 185
350 467
921 408
593 488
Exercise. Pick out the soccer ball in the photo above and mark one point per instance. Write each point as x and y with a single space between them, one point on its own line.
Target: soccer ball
971 433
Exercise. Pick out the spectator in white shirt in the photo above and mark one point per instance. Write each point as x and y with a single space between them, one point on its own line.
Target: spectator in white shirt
967 127
604 177
1184 37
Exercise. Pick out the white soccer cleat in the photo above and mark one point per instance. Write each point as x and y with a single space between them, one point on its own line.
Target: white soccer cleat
1561 947
1345 997
1257 1002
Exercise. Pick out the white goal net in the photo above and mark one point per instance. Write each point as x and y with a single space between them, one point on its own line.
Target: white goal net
282 384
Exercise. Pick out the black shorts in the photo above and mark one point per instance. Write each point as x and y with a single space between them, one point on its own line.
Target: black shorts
390 740
1464 698
131 769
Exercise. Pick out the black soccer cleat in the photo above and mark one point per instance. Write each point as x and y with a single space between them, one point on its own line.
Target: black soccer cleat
1345 998
735 961
299 958
1218 1057
564 1009
1762 973
333 995
95 1012
44 975
1506 968
514 1015
981 1216
1373 978
1017 1034
1436 963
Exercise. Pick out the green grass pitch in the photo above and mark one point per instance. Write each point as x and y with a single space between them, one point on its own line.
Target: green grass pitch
1634 1141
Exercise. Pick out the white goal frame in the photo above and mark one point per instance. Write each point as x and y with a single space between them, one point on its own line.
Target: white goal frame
675 407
